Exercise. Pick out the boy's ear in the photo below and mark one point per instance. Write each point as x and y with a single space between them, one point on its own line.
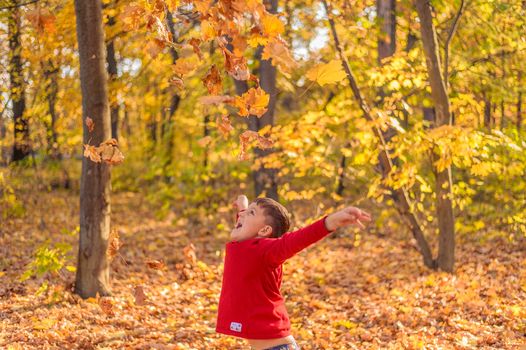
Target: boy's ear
266 231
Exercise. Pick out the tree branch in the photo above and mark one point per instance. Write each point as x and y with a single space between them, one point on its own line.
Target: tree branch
452 32
18 5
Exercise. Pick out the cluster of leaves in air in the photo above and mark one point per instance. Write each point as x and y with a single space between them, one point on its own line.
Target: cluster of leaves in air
108 151
234 27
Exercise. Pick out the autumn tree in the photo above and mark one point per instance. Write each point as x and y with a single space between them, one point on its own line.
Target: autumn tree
95 204
21 147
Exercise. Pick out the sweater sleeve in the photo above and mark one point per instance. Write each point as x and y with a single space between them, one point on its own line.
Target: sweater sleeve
280 249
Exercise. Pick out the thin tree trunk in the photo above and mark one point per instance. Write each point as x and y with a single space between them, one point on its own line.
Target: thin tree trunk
444 205
519 104
112 76
22 146
265 179
51 75
175 99
386 13
400 196
487 112
95 186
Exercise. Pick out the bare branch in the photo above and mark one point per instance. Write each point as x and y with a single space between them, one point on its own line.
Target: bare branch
18 5
452 32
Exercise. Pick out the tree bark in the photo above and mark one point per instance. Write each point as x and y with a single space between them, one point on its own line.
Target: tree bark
22 146
386 14
446 220
51 75
112 76
95 186
519 104
400 196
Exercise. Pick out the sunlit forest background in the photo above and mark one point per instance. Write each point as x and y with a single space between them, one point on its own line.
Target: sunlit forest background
123 147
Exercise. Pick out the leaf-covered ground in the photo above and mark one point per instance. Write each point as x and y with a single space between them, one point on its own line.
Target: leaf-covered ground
341 293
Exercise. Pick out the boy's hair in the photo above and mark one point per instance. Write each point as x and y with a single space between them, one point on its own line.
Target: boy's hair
277 216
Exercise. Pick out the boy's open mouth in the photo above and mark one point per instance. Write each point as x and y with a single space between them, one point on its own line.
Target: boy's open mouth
238 225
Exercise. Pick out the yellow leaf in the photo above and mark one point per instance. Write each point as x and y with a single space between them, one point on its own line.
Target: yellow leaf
327 73
272 26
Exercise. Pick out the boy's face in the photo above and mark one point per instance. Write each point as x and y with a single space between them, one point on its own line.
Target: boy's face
250 224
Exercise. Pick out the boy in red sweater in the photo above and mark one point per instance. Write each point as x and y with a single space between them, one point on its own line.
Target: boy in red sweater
251 305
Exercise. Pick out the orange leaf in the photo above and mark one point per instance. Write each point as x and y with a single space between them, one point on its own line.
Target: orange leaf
92 153
189 253
224 125
183 66
254 101
195 45
90 124
156 264
280 55
212 81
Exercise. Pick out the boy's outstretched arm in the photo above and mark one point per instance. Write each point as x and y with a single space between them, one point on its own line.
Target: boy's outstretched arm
281 249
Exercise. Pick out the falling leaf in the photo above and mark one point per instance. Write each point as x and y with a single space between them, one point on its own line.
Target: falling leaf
156 264
212 81
223 123
140 296
327 73
254 102
194 42
205 141
183 66
248 136
278 52
42 20
272 26
154 47
92 153
90 124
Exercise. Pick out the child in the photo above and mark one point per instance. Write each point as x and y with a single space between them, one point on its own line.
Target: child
251 305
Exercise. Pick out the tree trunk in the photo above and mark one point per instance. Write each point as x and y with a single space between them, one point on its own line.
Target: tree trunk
22 146
95 186
519 105
265 179
446 220
487 112
400 195
169 125
112 76
386 14
51 75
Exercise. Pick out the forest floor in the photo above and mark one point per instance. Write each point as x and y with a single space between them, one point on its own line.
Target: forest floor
342 293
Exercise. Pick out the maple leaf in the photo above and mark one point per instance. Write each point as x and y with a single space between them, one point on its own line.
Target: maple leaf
154 47
132 16
207 30
327 73
90 124
247 136
194 42
42 20
212 81
223 123
254 101
92 153
271 25
183 66
106 306
140 296
280 55
155 264
110 152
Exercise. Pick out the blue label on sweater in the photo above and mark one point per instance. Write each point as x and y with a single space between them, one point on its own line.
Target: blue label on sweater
235 326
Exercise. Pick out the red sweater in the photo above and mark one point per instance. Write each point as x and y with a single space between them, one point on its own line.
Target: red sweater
251 305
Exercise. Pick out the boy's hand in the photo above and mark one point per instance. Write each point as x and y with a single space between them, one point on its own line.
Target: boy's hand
241 203
345 217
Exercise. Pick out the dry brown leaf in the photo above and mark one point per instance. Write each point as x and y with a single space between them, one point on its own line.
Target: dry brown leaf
90 124
156 264
224 125
92 153
189 253
114 244
212 81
